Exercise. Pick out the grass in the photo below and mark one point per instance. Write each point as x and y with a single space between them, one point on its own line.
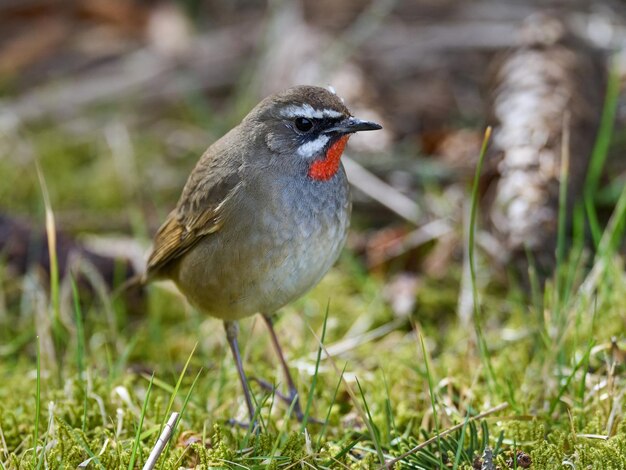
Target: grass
37 403
541 373
137 442
471 248
600 152
309 401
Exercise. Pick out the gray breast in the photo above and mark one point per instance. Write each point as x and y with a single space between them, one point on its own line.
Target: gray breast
283 238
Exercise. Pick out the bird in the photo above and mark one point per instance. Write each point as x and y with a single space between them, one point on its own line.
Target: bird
262 217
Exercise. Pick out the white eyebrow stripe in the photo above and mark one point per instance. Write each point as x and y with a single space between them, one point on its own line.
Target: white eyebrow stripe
311 148
307 111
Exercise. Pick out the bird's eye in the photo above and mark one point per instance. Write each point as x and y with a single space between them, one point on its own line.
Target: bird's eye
303 124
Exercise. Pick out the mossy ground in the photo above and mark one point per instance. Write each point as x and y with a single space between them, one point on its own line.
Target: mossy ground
556 357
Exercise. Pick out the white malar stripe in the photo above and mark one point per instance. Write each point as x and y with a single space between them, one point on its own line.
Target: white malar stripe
307 111
312 148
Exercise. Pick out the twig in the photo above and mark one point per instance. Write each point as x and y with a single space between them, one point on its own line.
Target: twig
350 343
593 436
482 415
165 436
380 191
421 235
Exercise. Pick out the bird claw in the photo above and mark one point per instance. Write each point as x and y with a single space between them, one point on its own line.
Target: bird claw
244 425
312 420
288 399
268 387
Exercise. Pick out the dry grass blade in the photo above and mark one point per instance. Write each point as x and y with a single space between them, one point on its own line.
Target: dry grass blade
52 243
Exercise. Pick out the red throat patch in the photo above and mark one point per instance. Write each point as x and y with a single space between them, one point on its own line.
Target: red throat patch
325 169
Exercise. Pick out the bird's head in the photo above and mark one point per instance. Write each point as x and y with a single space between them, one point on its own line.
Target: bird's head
308 124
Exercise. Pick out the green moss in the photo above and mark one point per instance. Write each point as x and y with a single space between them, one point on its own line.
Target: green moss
580 452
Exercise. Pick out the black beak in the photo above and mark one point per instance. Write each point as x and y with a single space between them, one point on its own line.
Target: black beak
352 124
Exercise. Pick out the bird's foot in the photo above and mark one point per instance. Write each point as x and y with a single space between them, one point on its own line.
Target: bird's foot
290 399
255 427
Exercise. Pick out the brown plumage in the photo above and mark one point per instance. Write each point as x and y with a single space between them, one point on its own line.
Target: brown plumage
198 211
255 227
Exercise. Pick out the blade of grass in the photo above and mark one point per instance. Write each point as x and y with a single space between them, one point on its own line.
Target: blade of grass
342 452
600 151
391 423
188 396
37 400
375 434
485 441
496 450
136 443
459 449
162 384
170 403
576 251
431 394
182 411
115 369
570 377
80 349
252 425
274 457
309 401
615 228
52 244
173 395
330 407
57 326
351 394
482 344
149 432
582 389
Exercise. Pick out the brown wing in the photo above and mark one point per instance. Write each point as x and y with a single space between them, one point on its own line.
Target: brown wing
211 184
177 235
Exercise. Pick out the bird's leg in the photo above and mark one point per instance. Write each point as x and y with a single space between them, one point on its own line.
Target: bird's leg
232 331
293 396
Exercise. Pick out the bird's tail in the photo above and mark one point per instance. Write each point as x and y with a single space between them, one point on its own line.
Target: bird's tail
136 282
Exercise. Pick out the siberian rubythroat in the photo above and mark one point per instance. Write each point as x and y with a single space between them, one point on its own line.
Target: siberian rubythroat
263 215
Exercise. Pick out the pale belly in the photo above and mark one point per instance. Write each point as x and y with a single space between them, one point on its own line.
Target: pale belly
265 262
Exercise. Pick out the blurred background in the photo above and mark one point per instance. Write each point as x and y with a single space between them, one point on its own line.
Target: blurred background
106 105
116 99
